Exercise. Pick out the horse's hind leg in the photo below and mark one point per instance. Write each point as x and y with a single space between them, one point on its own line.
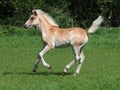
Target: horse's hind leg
76 50
80 63
68 66
40 56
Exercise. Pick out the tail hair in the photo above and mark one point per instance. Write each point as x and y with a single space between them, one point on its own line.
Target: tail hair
95 25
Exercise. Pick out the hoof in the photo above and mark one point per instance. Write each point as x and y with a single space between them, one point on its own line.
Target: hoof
75 74
34 71
49 67
63 73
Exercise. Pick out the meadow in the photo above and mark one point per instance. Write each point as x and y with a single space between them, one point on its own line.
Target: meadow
100 70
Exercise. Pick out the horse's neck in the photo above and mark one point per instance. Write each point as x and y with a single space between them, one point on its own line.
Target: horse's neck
45 23
44 29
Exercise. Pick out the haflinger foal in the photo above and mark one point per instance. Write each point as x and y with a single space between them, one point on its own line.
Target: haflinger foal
54 36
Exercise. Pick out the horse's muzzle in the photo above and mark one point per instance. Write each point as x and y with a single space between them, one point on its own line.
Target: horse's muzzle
25 26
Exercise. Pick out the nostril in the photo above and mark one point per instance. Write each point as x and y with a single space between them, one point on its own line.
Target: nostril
27 25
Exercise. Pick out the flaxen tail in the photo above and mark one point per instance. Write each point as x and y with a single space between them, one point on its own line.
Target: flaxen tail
95 25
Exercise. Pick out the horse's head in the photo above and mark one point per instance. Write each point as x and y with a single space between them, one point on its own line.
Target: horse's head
33 20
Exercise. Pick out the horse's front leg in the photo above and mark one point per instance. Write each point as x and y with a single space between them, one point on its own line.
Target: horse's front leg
40 56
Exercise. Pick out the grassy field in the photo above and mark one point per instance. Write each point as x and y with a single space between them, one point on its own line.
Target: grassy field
100 71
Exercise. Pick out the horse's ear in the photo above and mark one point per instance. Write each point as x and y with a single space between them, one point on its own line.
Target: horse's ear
34 12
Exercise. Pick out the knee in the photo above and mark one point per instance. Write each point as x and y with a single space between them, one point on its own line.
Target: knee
77 57
40 55
81 60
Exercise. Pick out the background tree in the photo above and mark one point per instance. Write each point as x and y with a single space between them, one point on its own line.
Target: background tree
16 12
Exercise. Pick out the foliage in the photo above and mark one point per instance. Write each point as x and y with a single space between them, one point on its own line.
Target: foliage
7 30
22 10
16 12
100 70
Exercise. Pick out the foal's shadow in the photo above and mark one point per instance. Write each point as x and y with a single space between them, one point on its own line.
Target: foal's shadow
37 73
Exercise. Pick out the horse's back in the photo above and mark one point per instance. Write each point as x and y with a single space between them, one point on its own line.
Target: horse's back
73 35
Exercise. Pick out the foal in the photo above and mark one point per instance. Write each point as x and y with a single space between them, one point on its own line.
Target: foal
53 36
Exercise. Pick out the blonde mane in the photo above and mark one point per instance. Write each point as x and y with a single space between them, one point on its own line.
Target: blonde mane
48 17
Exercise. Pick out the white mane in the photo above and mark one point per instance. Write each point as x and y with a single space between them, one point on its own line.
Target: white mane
48 17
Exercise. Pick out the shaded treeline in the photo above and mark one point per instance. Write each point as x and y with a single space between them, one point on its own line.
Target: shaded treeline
16 12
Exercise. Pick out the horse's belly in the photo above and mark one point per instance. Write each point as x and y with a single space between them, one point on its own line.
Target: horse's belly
62 44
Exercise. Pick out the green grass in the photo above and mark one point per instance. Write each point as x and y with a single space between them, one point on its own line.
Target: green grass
100 71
